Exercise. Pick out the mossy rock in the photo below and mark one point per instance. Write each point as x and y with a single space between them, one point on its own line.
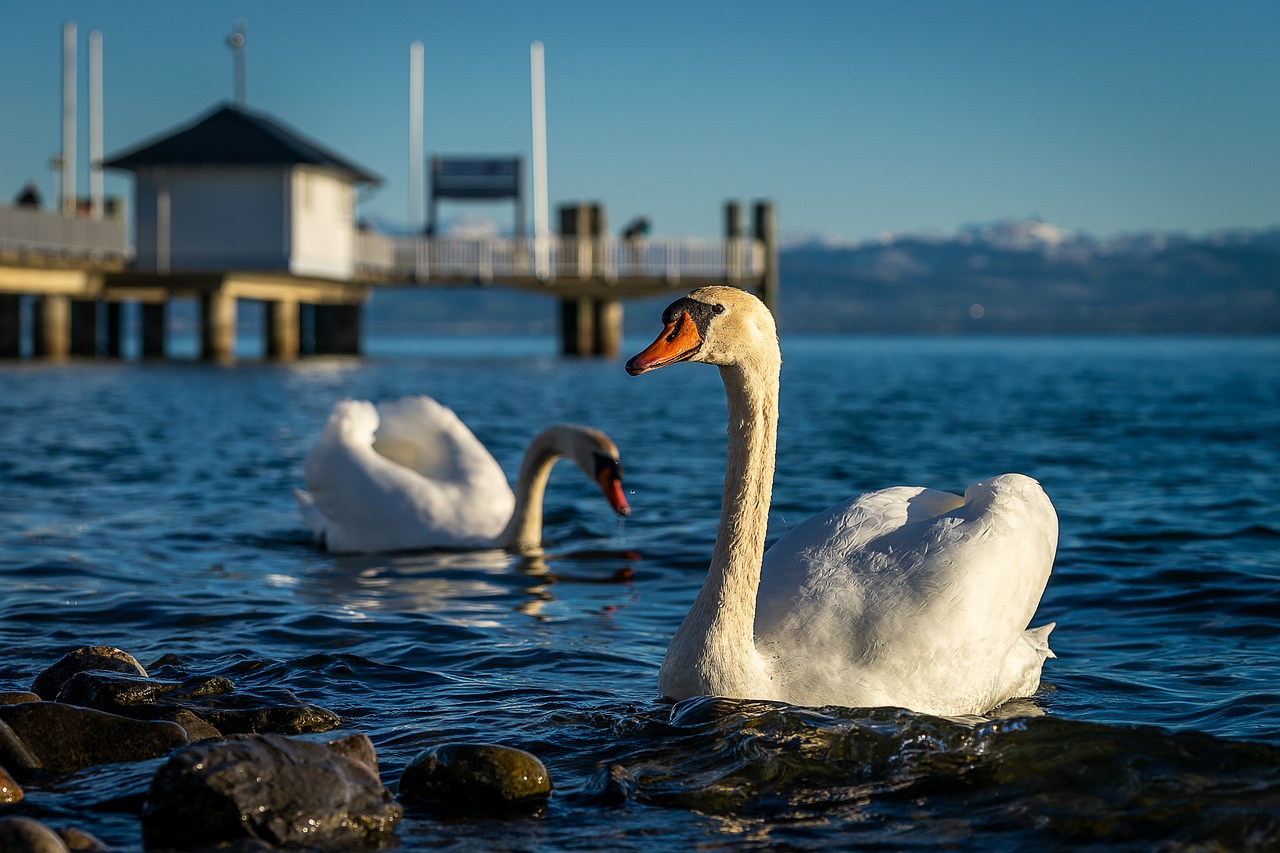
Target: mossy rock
476 777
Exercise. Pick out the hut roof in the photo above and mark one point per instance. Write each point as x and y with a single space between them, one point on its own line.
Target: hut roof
233 136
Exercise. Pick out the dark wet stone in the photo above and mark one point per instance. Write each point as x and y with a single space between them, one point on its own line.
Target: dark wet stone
24 835
195 727
267 711
49 682
358 748
212 704
476 777
63 738
269 788
79 841
13 753
131 695
13 698
10 790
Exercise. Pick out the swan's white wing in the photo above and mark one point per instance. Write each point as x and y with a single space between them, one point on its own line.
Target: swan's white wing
911 597
814 556
426 436
374 503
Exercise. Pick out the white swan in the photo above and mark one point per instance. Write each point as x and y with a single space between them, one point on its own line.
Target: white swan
906 597
408 475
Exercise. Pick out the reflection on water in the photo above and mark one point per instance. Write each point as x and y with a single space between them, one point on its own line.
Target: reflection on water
470 588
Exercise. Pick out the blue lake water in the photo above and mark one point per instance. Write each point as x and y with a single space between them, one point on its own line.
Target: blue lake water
148 506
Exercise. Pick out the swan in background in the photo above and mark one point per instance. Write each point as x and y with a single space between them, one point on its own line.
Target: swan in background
408 475
906 597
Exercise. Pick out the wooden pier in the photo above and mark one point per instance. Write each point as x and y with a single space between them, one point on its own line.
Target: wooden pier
75 274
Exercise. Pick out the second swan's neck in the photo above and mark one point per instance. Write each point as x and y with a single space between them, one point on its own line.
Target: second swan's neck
524 531
716 640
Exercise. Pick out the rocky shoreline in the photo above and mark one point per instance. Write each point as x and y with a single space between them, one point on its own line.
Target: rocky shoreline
239 767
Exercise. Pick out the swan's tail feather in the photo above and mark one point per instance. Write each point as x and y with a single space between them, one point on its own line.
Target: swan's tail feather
1039 638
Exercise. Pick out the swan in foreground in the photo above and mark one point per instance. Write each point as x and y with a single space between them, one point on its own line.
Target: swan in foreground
907 596
408 475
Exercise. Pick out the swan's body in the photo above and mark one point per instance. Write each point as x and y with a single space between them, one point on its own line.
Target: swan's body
908 596
408 475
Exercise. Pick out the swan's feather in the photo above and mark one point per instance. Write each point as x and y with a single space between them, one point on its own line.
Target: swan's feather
405 475
911 597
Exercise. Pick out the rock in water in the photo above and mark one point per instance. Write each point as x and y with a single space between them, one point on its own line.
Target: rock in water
476 777
24 835
49 682
10 791
57 738
285 792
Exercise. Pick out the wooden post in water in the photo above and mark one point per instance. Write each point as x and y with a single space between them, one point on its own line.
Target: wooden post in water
84 327
217 325
765 226
51 329
153 330
10 325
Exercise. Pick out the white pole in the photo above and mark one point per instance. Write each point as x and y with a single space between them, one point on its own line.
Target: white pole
68 118
542 261
95 124
415 136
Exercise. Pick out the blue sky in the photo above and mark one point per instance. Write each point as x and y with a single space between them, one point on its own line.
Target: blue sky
856 118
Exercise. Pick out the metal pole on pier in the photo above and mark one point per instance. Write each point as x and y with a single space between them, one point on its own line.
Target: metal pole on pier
95 125
541 213
68 118
415 136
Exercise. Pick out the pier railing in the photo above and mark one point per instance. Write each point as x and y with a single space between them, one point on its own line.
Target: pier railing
492 259
49 235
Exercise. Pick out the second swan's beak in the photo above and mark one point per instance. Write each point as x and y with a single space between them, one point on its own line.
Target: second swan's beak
678 342
609 478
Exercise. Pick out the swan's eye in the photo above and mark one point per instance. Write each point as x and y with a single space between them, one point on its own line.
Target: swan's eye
718 308
606 463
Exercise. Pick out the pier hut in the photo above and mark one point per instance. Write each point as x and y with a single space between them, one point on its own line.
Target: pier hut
237 206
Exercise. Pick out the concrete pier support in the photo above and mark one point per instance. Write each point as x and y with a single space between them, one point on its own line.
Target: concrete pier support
10 325
589 325
282 328
84 328
153 329
217 325
608 327
51 326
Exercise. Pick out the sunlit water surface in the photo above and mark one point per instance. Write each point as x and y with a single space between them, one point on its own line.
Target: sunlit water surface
149 507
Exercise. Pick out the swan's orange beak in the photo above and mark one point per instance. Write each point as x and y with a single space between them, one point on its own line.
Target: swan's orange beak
678 342
609 478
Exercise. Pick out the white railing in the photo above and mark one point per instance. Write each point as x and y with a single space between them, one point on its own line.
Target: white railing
32 232
422 259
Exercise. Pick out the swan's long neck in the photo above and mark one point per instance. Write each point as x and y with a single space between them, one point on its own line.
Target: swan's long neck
716 640
524 531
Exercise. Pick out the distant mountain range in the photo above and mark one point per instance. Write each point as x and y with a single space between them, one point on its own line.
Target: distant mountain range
1009 277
